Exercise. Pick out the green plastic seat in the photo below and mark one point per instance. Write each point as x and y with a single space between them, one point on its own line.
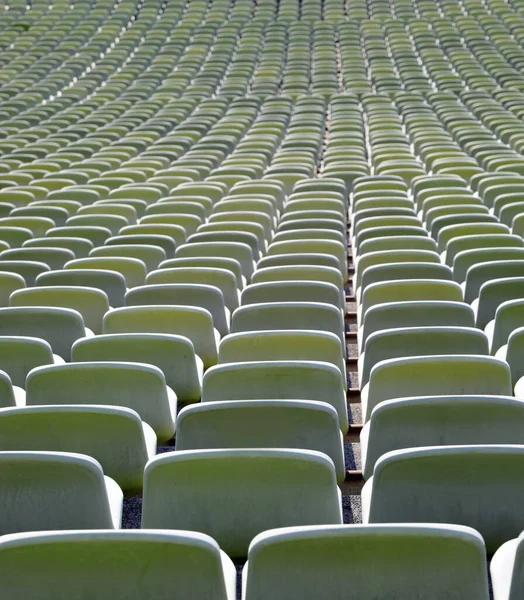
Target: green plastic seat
132 269
480 273
96 235
234 250
280 424
405 290
282 495
60 327
174 355
437 374
329 555
192 322
284 379
79 247
207 297
419 341
91 303
9 283
114 436
44 491
440 421
54 258
403 489
137 386
100 560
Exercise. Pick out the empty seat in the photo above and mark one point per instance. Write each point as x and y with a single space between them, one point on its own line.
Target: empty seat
419 313
192 322
404 290
114 436
221 493
20 354
132 564
56 490
28 269
208 297
300 424
221 278
133 269
137 386
9 283
110 282
60 327
174 355
434 562
440 421
292 291
508 317
283 345
434 375
478 486
419 341
278 380
480 273
91 303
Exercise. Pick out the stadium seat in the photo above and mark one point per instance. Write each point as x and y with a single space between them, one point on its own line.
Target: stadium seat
44 491
140 387
308 562
299 488
114 436
132 563
477 485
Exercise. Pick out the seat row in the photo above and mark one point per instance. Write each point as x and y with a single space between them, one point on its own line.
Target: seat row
433 561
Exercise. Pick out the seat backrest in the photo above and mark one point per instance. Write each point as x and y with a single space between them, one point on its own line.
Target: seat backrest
205 296
288 315
133 270
192 322
284 344
465 260
478 486
441 421
149 254
114 436
236 250
131 563
330 556
508 317
450 232
431 375
292 291
174 355
140 387
221 278
301 273
279 424
91 303
53 490
410 290
60 327
110 282
285 379
395 256
9 283
420 313
420 341
299 488
19 354
407 270
218 262
480 273
471 242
